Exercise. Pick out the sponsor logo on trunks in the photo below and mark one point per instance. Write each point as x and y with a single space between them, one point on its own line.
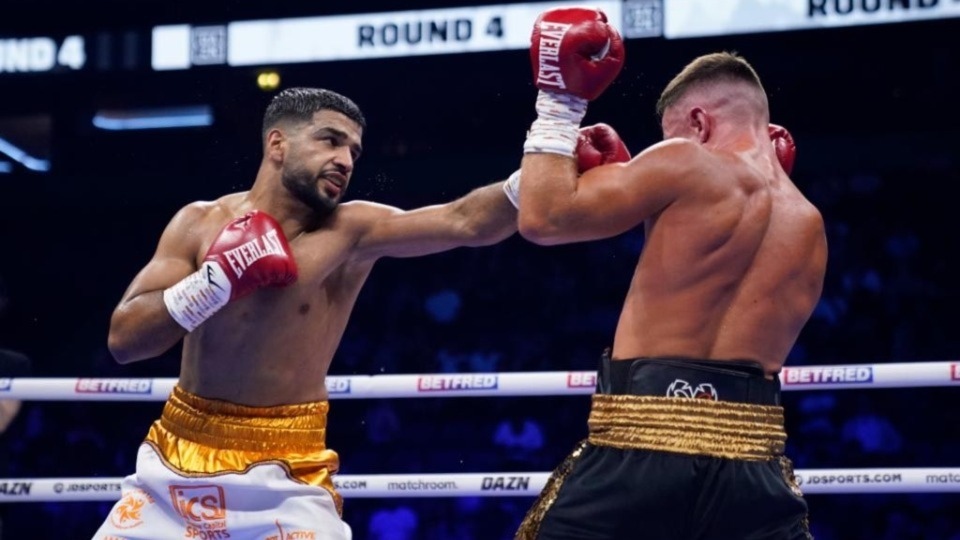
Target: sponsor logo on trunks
114 386
505 483
434 383
682 389
83 487
127 514
15 488
291 535
338 385
204 511
579 379
5 384
954 374
828 375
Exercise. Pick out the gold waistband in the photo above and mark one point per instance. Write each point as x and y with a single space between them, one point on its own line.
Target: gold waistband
687 426
285 428
201 437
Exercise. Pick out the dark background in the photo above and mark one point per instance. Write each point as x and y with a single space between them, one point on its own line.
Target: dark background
874 113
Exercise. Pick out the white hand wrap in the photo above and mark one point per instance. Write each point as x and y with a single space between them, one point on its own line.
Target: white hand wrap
512 188
198 296
557 126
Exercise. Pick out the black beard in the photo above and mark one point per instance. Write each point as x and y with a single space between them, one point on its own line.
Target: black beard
303 186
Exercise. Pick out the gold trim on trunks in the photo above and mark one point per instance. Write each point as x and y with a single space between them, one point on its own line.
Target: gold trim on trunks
196 436
530 526
704 427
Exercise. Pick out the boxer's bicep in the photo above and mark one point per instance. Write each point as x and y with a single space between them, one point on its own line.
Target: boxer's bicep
611 199
398 233
630 193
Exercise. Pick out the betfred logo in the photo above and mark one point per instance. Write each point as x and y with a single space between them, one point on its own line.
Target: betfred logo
114 386
338 385
954 374
579 379
828 375
198 504
5 384
435 383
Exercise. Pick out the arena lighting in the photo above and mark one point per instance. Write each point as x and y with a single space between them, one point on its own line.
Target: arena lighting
6 167
162 118
20 156
268 80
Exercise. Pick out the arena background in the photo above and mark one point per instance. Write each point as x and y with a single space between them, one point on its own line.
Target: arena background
873 109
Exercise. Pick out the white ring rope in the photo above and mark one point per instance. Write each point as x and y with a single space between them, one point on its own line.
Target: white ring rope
531 383
498 484
812 481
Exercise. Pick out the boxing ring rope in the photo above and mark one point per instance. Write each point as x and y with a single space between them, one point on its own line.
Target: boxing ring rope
548 383
499 484
530 383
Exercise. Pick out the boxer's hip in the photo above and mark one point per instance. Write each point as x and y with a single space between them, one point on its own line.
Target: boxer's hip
688 406
199 436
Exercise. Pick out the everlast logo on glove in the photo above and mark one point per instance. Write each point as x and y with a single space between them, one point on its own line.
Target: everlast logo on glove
551 35
228 271
240 258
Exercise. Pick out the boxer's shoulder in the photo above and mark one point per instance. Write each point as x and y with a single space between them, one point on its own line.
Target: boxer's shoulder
199 215
361 214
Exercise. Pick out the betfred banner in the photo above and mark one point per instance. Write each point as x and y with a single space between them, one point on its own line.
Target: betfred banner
697 18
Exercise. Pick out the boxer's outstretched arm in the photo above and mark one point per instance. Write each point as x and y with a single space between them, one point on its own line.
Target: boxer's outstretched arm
484 216
141 326
559 208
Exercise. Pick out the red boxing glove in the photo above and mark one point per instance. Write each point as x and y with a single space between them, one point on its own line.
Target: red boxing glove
249 253
254 253
599 144
596 145
784 145
575 51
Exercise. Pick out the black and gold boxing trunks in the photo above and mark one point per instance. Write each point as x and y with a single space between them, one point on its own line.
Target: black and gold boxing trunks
678 449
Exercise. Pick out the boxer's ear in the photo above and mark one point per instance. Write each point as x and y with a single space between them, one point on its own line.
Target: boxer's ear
701 123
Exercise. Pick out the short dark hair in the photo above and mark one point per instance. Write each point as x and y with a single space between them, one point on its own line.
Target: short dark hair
714 67
300 103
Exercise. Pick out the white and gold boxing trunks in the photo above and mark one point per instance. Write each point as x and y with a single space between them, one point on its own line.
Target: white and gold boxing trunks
211 469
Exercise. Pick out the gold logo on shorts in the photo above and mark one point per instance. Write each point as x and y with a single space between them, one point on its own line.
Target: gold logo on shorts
204 510
291 535
127 513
